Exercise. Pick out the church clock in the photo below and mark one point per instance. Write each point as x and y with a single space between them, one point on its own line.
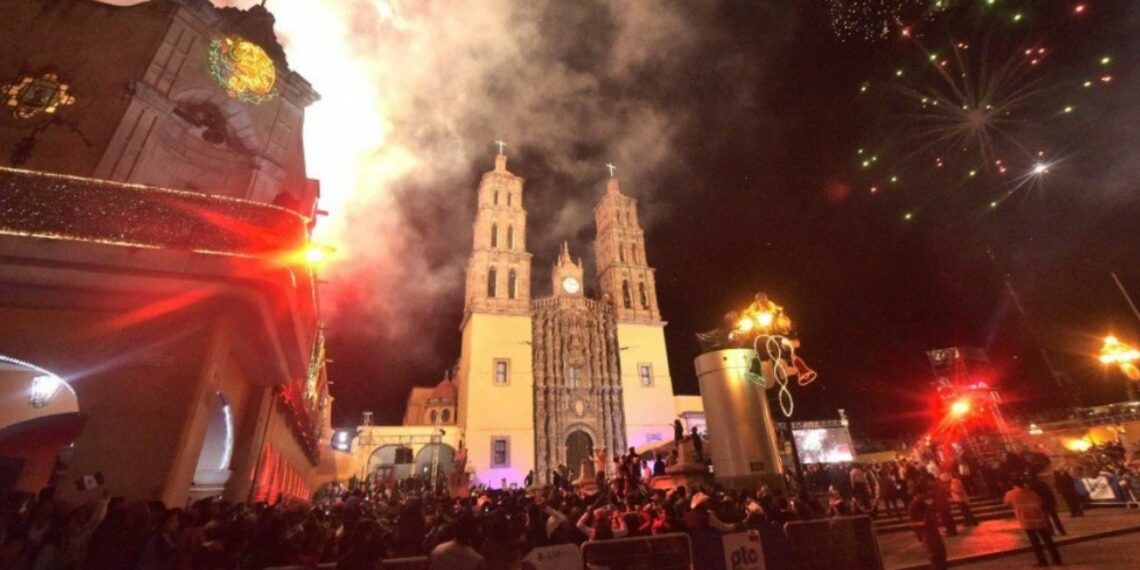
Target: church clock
571 285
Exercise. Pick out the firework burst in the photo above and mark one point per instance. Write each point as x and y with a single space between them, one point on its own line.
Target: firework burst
873 20
967 104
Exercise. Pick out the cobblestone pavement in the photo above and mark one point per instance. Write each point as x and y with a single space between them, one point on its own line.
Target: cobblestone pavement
902 550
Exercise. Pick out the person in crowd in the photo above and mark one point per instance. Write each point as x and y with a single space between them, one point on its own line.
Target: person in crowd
960 497
602 523
698 445
365 546
457 553
704 528
891 494
658 464
860 489
1048 502
166 545
940 503
965 474
925 524
1027 507
1067 487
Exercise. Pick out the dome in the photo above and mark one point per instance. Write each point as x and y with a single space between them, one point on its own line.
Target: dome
445 390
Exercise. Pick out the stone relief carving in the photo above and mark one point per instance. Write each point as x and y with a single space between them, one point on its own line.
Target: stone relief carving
575 333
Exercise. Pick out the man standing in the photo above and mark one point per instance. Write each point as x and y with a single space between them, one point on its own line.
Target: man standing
859 488
940 504
1066 487
698 445
926 529
1048 502
1031 516
959 495
965 475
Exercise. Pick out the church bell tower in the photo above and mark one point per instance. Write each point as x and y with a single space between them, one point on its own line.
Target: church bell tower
627 280
495 378
623 272
498 271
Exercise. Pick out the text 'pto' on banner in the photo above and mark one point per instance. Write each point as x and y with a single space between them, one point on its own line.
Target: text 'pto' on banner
743 551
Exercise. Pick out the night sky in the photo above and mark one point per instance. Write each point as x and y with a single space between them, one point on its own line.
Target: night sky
761 188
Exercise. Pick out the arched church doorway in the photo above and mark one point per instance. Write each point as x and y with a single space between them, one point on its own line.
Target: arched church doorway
389 464
443 453
213 469
579 446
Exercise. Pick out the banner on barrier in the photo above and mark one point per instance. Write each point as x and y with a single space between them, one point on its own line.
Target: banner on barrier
561 557
1099 489
743 551
658 552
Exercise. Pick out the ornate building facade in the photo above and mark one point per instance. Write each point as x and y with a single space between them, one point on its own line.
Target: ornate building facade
577 373
151 255
545 382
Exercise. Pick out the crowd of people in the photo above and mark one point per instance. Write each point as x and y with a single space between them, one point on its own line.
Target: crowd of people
355 527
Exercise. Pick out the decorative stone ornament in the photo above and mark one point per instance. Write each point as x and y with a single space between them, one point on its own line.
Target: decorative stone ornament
31 96
243 69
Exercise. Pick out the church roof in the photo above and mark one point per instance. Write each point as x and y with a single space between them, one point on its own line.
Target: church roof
445 390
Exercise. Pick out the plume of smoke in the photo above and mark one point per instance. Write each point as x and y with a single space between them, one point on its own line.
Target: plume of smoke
414 93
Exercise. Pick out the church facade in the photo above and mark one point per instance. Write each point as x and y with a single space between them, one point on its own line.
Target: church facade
543 382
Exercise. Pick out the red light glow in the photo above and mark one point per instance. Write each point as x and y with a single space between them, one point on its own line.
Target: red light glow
960 407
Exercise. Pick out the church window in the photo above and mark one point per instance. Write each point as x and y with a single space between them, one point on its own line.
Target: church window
432 416
494 235
641 294
491 282
512 284
496 202
629 217
573 377
508 198
502 371
625 297
445 417
510 237
500 451
645 374
621 252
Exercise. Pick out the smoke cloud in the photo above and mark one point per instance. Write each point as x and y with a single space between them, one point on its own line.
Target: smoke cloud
414 93
413 96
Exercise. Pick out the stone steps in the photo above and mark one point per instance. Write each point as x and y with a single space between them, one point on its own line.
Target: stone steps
983 509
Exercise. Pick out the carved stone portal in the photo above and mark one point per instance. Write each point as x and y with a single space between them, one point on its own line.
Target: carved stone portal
577 386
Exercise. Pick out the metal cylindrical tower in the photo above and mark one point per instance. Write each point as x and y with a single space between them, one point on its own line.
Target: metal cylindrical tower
745 451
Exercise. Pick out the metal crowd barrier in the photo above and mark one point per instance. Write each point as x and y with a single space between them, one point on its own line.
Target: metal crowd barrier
660 552
411 563
827 544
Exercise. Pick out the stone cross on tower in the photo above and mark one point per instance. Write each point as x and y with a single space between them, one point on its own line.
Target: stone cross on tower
612 169
501 145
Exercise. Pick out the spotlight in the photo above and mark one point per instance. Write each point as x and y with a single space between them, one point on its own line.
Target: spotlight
960 407
43 388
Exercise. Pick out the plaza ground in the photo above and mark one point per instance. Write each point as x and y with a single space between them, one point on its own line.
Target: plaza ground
1112 553
902 551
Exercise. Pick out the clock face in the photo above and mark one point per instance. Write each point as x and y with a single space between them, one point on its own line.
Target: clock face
570 285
